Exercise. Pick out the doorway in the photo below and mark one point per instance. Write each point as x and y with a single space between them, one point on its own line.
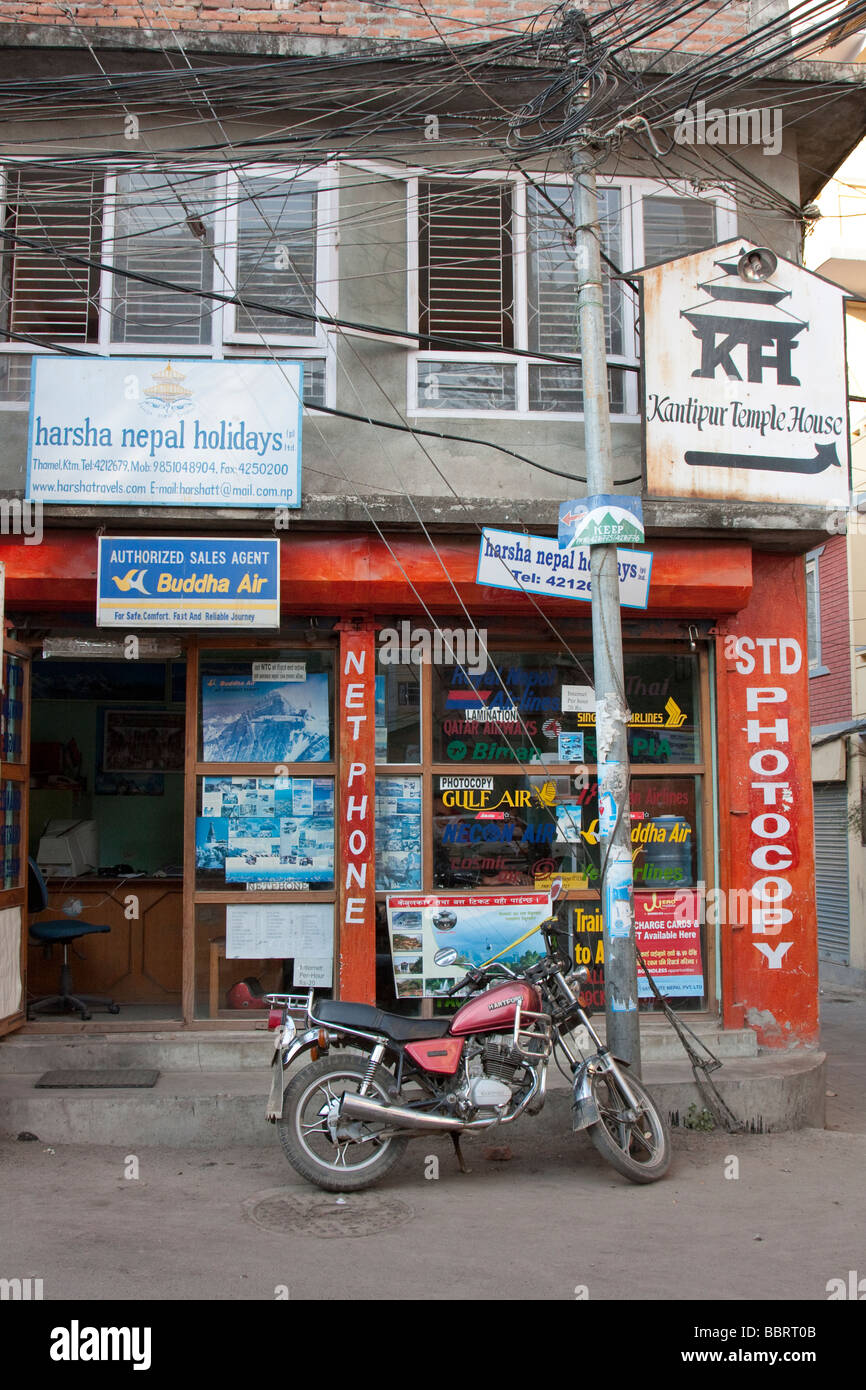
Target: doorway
106 823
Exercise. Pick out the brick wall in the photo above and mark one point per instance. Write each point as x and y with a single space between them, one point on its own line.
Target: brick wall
830 695
356 19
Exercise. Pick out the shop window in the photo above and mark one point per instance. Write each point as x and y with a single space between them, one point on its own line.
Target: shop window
265 833
265 828
534 708
398 713
275 710
509 804
244 951
398 833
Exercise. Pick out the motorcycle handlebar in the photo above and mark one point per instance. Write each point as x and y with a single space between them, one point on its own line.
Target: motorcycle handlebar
473 978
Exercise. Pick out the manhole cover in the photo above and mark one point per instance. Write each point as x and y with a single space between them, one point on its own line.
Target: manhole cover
325 1214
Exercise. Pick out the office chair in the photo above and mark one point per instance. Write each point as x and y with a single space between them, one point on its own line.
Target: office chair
64 931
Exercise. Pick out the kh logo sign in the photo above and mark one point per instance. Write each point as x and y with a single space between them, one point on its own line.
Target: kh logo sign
744 380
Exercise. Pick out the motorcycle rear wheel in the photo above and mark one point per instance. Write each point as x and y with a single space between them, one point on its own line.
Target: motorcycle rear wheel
639 1149
357 1158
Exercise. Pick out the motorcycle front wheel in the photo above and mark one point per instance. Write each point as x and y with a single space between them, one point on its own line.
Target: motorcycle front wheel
639 1148
338 1155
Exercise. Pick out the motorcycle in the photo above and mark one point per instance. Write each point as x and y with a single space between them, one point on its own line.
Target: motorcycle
345 1119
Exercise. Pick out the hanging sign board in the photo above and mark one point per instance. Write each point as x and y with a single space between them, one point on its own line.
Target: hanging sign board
153 433
601 519
744 381
478 926
536 565
188 582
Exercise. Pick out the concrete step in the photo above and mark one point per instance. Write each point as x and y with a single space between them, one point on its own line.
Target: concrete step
186 1051
215 1051
225 1107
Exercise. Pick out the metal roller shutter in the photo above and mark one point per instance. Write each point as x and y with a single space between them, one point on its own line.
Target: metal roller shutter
831 871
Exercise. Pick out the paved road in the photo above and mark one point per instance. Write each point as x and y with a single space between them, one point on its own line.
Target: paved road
752 1217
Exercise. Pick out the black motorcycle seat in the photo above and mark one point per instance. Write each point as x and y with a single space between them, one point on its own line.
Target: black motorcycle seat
372 1020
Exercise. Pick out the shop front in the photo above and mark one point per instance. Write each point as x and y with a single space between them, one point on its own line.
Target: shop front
276 808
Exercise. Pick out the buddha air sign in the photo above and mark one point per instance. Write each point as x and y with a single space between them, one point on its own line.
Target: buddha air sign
744 381
157 433
189 582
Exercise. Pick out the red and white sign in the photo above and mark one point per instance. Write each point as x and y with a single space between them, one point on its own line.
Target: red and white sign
668 932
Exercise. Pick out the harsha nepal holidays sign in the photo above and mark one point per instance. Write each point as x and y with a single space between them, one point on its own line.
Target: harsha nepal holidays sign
149 432
188 582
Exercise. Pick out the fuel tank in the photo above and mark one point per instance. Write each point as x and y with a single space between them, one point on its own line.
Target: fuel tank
493 1011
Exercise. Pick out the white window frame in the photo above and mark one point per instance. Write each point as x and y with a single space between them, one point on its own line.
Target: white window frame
812 566
225 342
632 193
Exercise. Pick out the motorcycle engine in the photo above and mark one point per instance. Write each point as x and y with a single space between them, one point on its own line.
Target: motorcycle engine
492 1073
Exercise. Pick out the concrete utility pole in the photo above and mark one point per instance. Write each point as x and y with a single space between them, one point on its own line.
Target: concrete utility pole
612 713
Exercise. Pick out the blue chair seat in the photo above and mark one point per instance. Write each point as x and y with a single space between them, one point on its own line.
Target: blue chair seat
62 929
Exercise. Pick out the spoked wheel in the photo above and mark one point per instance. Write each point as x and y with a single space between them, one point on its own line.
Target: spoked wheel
636 1143
341 1155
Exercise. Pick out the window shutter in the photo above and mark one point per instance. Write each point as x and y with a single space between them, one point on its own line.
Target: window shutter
43 295
553 312
153 235
676 227
276 254
465 273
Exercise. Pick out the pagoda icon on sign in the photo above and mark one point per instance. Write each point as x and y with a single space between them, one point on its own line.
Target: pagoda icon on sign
168 396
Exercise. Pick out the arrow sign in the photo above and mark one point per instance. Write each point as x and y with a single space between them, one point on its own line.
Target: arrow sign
825 457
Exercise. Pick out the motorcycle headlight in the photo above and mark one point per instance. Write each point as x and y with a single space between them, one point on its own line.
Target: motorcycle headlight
579 977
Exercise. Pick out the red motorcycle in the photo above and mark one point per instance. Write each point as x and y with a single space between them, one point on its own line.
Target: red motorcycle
376 1079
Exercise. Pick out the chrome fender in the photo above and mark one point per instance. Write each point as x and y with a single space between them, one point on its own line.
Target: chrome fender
583 1105
280 1062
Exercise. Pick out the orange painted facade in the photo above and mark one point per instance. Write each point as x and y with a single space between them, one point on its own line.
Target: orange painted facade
756 602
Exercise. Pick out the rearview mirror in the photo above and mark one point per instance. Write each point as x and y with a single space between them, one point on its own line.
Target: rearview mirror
447 956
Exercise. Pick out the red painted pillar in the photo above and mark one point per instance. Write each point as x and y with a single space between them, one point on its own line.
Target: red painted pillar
769 960
356 902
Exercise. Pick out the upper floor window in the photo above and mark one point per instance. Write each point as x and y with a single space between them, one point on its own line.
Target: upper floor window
84 249
495 267
813 613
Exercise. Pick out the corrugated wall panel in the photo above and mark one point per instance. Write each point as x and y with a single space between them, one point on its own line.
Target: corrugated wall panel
831 871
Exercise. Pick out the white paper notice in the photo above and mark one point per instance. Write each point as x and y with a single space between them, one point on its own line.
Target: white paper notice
280 931
315 974
577 698
279 670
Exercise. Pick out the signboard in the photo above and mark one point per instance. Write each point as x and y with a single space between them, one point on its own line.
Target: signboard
668 932
479 928
744 381
153 433
188 582
536 565
601 519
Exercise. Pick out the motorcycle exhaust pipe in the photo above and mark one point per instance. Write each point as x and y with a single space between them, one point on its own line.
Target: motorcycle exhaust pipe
363 1108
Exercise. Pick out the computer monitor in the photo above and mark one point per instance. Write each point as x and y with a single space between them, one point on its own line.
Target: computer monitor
68 849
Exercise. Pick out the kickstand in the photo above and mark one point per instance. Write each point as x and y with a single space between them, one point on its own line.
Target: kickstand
455 1140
